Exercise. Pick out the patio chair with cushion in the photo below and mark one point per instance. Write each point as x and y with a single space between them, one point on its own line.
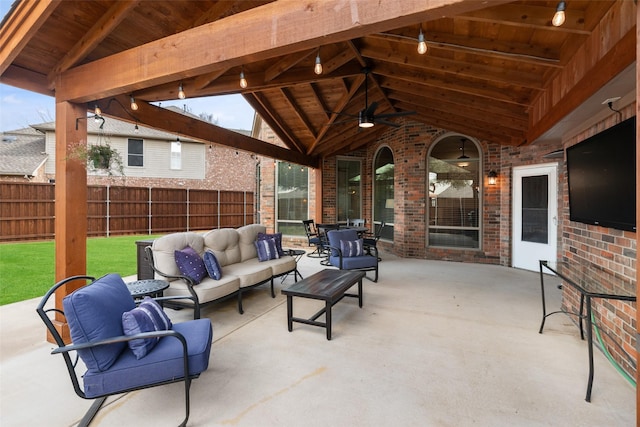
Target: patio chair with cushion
312 238
323 229
123 346
371 241
348 252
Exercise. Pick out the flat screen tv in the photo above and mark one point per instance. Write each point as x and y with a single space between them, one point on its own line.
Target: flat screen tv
602 178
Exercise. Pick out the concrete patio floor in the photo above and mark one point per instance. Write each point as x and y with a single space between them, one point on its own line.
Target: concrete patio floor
436 344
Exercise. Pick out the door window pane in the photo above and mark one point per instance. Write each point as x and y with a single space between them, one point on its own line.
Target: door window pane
454 202
349 190
383 196
292 198
535 202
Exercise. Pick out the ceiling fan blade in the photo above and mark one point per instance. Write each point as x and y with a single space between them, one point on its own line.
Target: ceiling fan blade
368 112
398 114
384 122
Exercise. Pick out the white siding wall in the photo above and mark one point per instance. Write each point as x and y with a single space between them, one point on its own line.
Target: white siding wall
157 158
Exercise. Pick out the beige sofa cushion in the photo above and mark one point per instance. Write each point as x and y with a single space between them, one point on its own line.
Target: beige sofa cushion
207 290
250 272
248 235
281 265
224 243
164 247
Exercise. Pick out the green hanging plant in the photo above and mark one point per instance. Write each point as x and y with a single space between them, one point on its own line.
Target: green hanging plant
98 157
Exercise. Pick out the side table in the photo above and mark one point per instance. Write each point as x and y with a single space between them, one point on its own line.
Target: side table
296 254
151 287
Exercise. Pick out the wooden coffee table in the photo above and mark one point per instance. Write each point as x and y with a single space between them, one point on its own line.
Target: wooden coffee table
327 285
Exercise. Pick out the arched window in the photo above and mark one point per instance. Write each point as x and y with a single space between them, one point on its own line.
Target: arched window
454 200
383 199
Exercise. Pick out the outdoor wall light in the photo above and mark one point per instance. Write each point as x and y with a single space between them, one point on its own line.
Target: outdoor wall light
493 177
422 45
243 81
181 93
318 67
134 106
559 17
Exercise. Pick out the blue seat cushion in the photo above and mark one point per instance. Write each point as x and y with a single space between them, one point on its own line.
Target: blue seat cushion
350 263
163 363
94 312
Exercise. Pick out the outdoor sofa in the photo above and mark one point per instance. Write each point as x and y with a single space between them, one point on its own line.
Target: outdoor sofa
234 267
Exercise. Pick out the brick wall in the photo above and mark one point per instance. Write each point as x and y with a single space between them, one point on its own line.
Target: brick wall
615 252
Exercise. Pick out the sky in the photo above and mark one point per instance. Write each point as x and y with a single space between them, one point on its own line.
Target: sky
20 108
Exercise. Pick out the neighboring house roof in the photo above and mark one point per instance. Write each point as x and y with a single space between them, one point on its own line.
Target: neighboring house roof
22 152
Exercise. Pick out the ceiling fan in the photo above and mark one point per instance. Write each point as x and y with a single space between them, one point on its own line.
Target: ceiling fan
367 117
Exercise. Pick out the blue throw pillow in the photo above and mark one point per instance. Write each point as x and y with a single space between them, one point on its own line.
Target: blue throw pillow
266 249
190 264
278 239
146 317
351 248
212 265
93 313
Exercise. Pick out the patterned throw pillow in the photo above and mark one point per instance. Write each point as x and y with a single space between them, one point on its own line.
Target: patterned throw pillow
278 239
351 248
190 264
266 249
146 317
212 265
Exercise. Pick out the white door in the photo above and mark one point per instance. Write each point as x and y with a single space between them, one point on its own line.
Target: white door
535 215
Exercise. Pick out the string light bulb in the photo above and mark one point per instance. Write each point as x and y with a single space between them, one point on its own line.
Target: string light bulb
318 67
181 93
559 17
97 111
135 129
243 80
422 45
134 106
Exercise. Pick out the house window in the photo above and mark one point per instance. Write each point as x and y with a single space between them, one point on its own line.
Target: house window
176 155
454 202
135 155
349 203
292 198
383 195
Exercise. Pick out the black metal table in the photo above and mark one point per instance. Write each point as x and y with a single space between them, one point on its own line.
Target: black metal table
591 282
296 254
327 285
151 287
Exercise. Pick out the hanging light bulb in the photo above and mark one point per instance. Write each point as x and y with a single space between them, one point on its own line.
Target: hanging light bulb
134 106
181 93
135 129
97 111
559 17
243 81
318 67
422 45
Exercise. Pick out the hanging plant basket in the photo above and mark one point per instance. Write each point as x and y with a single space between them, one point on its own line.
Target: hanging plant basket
99 157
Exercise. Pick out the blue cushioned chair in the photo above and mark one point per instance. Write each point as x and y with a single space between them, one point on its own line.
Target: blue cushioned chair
368 261
94 316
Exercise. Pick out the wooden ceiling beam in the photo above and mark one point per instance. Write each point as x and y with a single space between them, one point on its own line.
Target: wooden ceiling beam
401 55
457 98
475 87
528 16
483 133
267 112
23 23
161 118
26 79
490 48
285 63
336 112
298 111
364 63
206 79
92 38
299 27
417 103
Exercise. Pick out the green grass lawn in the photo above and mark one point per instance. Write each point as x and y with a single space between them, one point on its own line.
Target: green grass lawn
27 270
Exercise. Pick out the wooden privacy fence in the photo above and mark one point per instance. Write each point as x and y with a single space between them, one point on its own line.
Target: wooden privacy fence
27 210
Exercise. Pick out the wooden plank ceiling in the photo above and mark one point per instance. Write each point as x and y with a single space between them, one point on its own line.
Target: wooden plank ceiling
486 63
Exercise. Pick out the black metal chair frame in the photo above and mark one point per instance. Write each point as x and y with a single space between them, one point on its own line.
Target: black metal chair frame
324 241
372 242
311 233
72 363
